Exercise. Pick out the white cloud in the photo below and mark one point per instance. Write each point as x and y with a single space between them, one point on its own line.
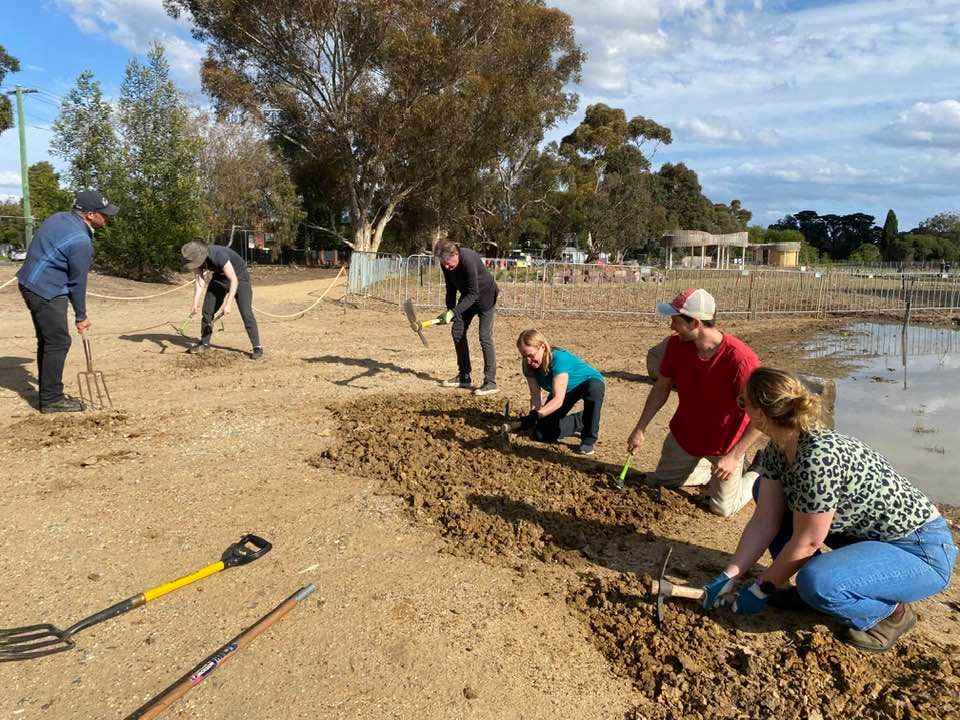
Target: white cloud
838 107
721 130
10 178
781 107
38 142
134 25
925 125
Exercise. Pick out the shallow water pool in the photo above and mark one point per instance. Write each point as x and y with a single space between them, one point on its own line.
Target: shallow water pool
917 428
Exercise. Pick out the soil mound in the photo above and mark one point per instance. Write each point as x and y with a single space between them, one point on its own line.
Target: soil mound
212 359
40 431
547 513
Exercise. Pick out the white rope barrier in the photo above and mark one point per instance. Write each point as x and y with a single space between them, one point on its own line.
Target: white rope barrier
302 312
140 297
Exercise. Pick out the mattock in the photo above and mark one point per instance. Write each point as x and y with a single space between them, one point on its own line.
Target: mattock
94 381
418 325
664 589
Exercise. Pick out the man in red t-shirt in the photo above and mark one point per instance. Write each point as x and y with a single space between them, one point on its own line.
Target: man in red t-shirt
709 433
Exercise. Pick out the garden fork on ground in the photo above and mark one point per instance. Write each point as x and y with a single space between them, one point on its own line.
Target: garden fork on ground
33 641
93 381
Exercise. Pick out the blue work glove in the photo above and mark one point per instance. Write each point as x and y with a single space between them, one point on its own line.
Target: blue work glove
445 317
721 585
750 600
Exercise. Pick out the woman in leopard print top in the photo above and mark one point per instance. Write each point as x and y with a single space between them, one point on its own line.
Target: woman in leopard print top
889 544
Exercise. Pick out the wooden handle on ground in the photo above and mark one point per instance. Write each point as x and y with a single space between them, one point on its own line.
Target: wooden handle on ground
681 591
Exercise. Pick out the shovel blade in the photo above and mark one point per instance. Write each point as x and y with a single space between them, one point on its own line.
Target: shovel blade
32 641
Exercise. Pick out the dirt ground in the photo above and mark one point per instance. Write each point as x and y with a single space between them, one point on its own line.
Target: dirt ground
458 576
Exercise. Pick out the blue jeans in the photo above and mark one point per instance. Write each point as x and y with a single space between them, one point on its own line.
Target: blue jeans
861 581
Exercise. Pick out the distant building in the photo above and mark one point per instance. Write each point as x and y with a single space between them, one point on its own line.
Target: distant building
723 250
699 241
574 255
782 254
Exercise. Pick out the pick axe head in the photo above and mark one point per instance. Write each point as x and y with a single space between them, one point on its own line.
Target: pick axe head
412 318
505 427
664 589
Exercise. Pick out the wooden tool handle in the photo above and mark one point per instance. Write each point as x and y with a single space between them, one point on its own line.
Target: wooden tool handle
681 591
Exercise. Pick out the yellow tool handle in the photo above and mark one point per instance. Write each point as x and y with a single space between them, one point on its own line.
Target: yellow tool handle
161 590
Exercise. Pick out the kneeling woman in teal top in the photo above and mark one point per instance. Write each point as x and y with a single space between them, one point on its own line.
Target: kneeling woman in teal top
567 380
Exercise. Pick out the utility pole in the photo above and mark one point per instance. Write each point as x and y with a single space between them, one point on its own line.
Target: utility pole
24 168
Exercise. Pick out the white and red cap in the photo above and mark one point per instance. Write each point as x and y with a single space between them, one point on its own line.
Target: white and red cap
695 303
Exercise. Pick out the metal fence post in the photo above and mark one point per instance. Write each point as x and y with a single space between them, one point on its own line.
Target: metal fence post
820 308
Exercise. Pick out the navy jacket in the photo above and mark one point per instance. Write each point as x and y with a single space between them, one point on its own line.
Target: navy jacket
59 259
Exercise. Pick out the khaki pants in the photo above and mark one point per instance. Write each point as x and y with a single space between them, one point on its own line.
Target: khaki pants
677 468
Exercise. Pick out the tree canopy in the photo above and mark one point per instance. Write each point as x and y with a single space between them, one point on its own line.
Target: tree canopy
400 97
84 135
245 184
8 64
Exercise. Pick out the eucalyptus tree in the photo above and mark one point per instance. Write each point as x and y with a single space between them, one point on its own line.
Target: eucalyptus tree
8 64
84 136
398 98
608 172
46 194
156 176
245 183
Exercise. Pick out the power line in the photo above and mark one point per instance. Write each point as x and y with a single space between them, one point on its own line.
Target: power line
49 94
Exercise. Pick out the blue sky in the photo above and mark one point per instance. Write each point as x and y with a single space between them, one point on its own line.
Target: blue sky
785 105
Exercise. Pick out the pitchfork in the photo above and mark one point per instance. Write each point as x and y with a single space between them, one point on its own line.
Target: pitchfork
94 380
33 641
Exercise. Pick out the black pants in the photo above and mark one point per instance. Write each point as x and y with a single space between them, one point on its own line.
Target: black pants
216 293
459 332
53 342
561 424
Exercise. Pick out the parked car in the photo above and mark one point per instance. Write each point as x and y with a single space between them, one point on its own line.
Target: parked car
18 255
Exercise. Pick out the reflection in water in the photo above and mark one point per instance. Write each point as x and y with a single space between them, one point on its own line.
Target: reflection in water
918 428
885 340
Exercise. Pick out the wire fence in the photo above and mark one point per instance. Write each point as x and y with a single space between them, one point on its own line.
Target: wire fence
558 288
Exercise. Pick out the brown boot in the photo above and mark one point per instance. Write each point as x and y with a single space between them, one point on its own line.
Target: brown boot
884 635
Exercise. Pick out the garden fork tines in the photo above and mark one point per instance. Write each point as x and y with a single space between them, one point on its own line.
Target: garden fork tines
92 381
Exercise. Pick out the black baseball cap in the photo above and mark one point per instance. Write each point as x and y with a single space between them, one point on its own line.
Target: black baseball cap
94 201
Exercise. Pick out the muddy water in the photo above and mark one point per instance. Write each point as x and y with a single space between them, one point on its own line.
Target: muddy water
553 519
918 427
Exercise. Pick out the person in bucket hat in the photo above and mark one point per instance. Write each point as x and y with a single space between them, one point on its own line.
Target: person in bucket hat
53 274
221 278
709 432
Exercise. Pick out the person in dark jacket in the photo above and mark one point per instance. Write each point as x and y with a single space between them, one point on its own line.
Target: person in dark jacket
221 278
54 272
465 273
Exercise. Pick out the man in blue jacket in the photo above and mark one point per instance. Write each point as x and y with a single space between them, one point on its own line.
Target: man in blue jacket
56 270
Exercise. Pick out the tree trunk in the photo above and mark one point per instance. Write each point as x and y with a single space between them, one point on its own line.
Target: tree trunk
368 234
363 237
437 234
